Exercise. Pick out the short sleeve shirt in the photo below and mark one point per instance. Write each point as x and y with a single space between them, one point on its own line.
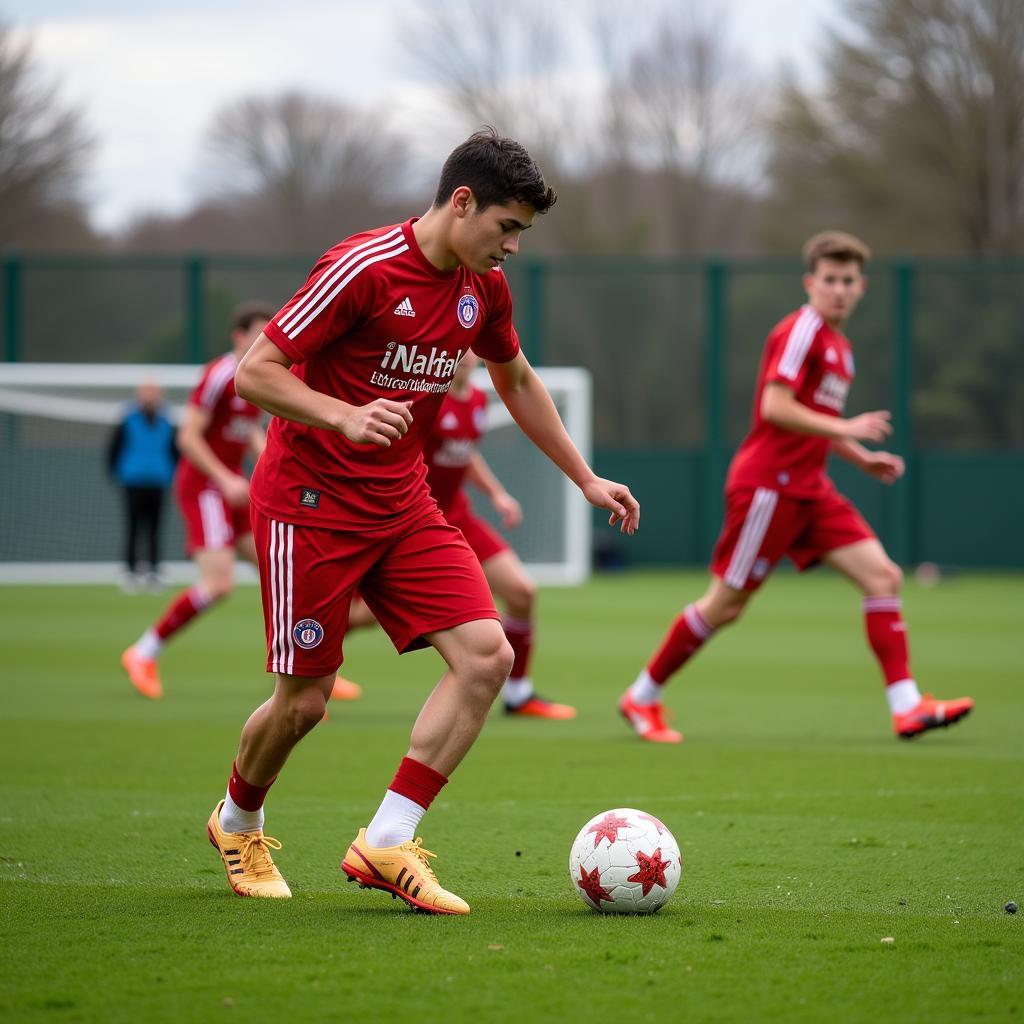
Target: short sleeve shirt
375 319
816 361
451 444
232 420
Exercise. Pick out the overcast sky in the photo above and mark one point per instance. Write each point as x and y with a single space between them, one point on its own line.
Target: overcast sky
149 74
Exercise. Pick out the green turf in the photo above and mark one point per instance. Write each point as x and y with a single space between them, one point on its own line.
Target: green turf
808 832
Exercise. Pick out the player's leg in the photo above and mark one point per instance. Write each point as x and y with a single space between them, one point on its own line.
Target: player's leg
210 538
866 564
235 828
757 529
154 508
307 576
386 855
511 584
430 589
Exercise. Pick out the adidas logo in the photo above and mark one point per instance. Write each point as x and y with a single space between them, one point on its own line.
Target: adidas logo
404 308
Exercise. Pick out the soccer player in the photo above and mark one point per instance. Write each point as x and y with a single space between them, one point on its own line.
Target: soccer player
453 459
779 500
212 493
354 369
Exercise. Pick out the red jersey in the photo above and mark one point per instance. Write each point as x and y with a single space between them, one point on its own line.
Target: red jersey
816 361
232 420
375 319
450 446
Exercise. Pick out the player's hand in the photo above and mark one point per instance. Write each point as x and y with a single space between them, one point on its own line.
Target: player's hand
509 509
381 422
625 509
885 466
235 490
869 426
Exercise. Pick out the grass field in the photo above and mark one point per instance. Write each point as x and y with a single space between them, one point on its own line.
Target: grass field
808 832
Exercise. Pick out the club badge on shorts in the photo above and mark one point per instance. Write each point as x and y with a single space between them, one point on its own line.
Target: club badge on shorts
308 633
469 310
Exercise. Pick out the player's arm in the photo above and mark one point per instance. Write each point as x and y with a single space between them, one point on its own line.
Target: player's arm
192 445
531 407
263 378
482 477
779 406
884 466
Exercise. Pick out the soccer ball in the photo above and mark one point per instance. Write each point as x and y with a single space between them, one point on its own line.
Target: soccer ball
625 862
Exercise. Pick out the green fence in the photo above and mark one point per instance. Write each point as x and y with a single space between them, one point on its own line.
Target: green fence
673 346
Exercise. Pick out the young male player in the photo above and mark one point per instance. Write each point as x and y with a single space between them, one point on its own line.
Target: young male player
354 369
212 493
454 459
779 500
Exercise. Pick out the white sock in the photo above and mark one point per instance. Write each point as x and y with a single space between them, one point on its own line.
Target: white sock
395 821
902 696
645 690
149 645
235 819
517 691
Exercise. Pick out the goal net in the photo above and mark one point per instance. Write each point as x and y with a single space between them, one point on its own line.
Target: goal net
62 518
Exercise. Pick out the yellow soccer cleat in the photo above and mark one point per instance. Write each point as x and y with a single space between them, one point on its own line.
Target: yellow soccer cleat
247 860
404 871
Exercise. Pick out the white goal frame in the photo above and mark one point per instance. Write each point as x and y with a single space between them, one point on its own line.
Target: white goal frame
572 386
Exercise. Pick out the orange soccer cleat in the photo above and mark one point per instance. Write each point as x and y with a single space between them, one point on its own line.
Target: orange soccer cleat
648 721
345 689
930 713
537 707
246 858
143 674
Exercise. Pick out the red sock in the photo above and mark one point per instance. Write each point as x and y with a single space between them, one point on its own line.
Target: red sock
519 633
887 635
246 795
682 641
417 782
181 611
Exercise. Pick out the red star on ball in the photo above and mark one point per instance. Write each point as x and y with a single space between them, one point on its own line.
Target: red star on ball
607 828
650 871
657 824
591 887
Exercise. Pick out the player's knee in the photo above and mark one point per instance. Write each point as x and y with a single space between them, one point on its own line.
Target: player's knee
887 578
490 666
730 613
521 597
219 587
303 711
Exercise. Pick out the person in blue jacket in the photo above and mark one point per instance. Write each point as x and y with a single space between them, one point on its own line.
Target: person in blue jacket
141 458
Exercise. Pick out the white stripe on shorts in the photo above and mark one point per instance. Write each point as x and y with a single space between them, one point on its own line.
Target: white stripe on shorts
755 526
215 526
282 645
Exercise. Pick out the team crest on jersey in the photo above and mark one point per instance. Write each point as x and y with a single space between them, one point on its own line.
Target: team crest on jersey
308 633
469 310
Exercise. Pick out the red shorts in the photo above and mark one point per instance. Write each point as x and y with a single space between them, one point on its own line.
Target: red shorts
762 525
211 524
485 541
416 580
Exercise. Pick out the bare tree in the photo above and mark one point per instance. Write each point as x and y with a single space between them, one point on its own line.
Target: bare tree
308 169
43 153
918 135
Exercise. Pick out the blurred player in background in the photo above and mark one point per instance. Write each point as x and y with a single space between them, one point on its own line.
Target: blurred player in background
453 459
218 430
141 458
355 368
779 500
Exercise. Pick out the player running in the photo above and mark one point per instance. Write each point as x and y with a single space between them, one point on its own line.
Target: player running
779 500
454 459
218 429
355 368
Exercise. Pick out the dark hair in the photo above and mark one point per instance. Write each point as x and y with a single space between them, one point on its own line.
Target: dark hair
244 315
498 170
835 245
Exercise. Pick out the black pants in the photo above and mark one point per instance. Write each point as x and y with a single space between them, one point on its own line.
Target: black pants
144 505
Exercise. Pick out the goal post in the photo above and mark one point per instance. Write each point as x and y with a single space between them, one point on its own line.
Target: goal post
61 517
